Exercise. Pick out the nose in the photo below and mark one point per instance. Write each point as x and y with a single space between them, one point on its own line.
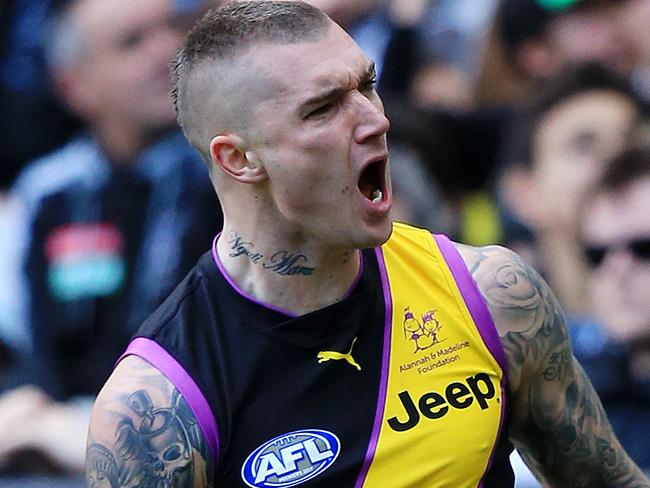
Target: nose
372 122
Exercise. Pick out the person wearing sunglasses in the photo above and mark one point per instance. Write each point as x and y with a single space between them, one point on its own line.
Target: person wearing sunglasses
564 138
615 235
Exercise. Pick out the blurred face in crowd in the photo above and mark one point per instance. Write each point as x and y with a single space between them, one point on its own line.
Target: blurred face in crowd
573 141
593 33
636 18
616 237
123 75
320 134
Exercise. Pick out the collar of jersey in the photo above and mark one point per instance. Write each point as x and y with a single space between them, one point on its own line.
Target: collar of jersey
337 322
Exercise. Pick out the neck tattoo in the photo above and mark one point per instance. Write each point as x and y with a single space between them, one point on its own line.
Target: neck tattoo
284 263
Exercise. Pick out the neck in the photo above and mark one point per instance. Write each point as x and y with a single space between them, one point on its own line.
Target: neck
291 274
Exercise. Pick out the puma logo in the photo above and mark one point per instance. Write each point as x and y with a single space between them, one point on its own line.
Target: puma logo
327 355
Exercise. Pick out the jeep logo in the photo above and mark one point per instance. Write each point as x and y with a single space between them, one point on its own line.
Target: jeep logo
434 405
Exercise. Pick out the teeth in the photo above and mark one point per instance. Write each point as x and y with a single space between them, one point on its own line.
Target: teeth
377 196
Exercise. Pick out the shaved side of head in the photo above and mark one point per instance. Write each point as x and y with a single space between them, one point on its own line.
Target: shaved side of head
213 80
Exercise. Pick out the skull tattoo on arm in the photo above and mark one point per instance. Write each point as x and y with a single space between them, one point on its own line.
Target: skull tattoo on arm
153 444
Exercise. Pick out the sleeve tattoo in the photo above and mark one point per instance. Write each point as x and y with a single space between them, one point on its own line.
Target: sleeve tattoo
558 423
147 437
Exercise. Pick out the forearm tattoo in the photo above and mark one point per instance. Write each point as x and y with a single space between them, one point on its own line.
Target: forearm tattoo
559 425
156 441
282 262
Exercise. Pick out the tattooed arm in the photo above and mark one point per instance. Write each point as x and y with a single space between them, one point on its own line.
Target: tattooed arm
557 421
142 434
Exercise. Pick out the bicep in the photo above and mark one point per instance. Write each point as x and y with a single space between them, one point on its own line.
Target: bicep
564 432
142 433
557 421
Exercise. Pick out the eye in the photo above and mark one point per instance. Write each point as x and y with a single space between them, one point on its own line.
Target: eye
130 40
368 85
320 111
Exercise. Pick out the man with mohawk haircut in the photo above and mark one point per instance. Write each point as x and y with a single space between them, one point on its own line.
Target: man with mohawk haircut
281 103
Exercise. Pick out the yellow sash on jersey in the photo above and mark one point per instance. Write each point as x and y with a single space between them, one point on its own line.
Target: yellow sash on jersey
443 405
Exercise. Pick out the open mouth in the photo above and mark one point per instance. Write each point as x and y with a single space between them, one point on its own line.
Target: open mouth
372 182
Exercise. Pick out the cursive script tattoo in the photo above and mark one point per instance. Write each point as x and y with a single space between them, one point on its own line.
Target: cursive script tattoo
558 423
154 443
240 247
287 264
283 262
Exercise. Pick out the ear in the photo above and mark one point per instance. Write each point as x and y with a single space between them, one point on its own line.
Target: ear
227 152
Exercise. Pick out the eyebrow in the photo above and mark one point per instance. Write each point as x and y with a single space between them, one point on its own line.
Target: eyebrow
369 74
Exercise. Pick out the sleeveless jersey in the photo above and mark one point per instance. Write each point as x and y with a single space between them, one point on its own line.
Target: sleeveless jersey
399 384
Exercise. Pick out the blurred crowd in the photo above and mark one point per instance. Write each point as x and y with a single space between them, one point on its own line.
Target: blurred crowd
515 122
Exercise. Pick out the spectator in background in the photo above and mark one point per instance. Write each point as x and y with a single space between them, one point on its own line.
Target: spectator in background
580 119
533 40
107 224
615 231
27 99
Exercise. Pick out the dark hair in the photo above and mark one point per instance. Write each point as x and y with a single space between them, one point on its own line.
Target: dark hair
628 166
518 21
569 83
224 32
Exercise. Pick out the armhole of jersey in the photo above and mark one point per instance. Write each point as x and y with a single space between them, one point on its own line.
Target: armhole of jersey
480 313
473 299
158 357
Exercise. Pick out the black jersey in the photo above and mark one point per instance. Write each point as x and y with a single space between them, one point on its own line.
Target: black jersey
285 400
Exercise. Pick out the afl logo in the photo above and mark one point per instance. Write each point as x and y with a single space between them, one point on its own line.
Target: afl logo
291 459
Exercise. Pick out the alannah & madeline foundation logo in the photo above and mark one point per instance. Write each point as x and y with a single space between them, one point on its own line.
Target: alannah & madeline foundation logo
424 333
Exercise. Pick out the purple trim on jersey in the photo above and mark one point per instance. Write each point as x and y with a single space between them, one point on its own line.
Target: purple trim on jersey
473 299
483 320
381 400
236 287
357 279
499 432
154 353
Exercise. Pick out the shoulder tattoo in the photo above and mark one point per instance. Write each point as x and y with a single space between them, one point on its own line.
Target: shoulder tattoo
153 440
529 318
560 427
